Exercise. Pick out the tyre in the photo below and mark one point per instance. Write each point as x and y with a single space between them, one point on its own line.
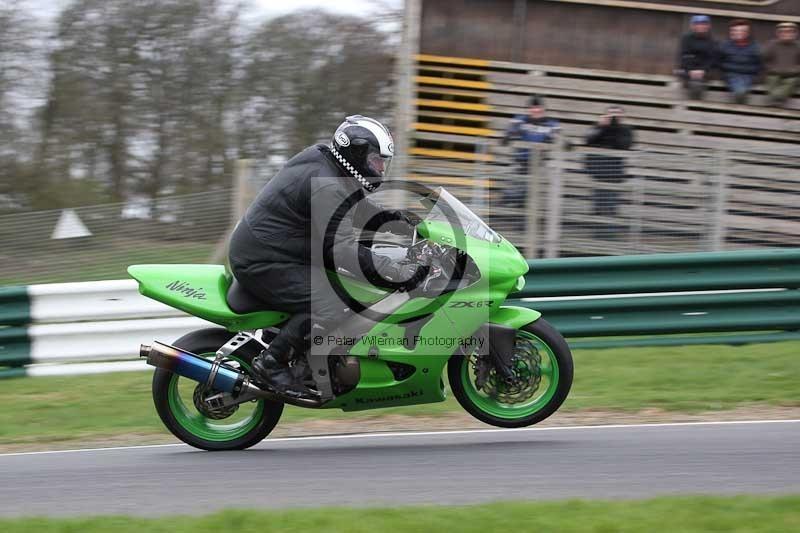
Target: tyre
543 367
173 396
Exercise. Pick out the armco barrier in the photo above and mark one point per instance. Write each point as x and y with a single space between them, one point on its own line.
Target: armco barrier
752 296
87 341
82 322
15 306
659 273
662 299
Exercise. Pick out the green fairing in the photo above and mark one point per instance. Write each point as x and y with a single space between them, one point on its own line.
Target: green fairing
200 291
514 317
378 388
500 265
449 320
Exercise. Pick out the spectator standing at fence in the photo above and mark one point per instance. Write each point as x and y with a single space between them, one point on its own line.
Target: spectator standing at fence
740 60
782 63
613 134
696 56
534 127
610 131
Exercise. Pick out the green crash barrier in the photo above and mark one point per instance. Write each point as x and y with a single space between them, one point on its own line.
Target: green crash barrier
632 274
638 314
15 306
15 346
659 315
666 340
8 373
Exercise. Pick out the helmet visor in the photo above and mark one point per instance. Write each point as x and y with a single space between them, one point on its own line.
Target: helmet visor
378 164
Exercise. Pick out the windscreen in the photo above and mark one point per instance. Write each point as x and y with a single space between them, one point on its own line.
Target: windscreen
447 208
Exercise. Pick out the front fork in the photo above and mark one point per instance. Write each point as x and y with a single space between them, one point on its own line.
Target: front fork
501 330
501 340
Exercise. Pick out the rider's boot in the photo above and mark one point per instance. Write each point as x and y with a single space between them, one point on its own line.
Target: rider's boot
271 369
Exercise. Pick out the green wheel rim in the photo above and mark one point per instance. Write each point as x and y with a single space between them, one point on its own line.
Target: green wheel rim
544 393
190 419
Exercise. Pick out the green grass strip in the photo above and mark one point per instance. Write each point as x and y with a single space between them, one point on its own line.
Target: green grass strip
684 514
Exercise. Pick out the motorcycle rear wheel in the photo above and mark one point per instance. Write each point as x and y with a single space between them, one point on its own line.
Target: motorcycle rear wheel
173 401
544 362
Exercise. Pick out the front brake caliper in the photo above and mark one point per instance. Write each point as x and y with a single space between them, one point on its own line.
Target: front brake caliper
482 370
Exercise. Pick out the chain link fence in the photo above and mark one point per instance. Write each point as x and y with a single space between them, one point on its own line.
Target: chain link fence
99 242
547 200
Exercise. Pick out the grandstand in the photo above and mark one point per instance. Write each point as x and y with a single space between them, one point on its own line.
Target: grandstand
704 174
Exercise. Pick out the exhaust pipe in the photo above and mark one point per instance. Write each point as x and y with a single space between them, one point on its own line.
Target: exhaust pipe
196 368
215 376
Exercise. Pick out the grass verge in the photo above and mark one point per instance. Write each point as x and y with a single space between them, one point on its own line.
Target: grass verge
686 514
681 379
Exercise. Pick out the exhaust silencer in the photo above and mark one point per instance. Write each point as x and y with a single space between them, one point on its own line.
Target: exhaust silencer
194 367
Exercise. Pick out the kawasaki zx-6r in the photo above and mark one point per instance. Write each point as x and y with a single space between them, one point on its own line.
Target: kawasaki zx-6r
505 365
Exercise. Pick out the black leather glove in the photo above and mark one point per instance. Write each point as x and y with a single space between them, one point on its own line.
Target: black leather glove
403 223
411 218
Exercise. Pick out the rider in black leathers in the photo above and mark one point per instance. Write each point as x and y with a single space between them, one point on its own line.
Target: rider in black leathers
301 222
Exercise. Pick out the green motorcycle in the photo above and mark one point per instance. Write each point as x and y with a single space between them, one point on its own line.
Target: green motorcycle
505 365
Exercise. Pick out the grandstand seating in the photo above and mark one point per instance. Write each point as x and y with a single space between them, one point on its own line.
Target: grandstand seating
462 102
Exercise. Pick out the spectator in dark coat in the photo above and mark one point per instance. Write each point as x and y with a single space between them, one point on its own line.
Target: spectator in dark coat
782 62
697 56
740 60
610 132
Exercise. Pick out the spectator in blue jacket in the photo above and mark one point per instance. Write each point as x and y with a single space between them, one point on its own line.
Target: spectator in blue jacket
740 60
534 127
697 55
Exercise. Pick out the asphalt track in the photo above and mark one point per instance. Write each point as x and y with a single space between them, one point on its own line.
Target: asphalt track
423 468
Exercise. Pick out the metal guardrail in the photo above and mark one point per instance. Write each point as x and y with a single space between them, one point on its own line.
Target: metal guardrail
750 296
661 299
80 322
660 273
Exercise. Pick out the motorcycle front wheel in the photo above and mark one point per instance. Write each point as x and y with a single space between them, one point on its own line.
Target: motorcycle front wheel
542 367
174 397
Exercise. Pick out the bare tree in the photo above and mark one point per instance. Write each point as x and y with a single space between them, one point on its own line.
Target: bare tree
304 72
21 66
161 96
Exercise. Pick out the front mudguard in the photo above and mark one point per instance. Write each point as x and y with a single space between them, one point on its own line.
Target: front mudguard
497 337
513 317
